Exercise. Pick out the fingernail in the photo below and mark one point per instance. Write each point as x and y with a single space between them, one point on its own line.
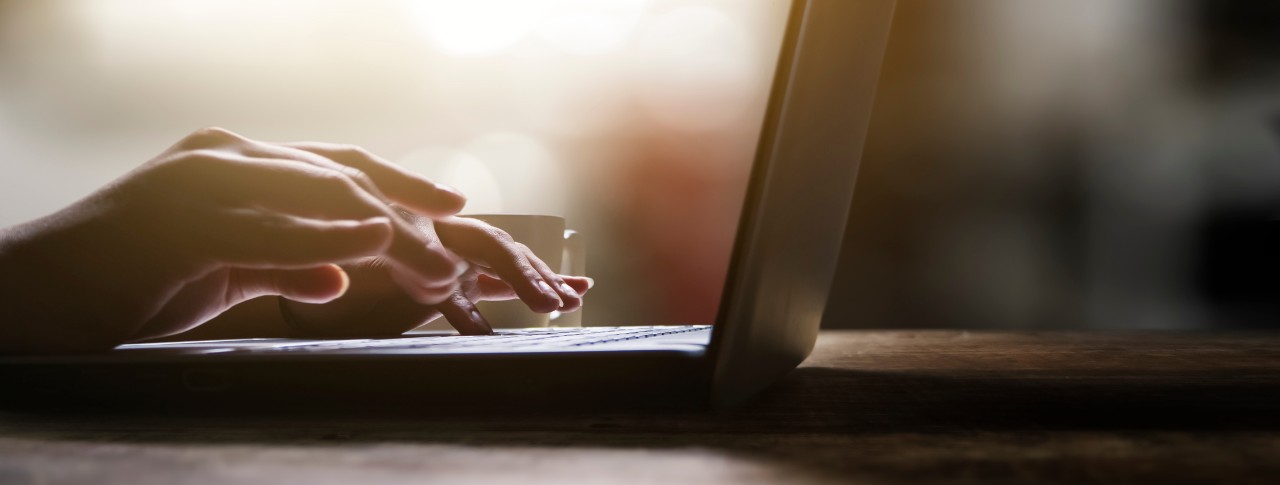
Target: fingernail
591 282
546 290
568 290
478 321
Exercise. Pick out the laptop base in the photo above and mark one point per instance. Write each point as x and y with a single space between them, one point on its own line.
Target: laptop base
377 384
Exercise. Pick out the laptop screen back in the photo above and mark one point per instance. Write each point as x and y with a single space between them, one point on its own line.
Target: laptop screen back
799 194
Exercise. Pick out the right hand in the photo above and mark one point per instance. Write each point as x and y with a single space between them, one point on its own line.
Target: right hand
501 268
216 220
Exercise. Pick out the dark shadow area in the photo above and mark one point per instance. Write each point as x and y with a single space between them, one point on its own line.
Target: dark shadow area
810 402
1162 401
1029 167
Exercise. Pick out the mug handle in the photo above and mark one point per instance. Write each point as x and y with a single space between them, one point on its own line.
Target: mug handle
572 263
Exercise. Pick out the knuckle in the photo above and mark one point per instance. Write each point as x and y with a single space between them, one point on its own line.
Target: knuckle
333 179
200 160
273 221
498 236
209 136
335 184
189 169
358 176
530 273
352 151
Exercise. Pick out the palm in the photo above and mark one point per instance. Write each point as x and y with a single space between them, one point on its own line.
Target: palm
195 302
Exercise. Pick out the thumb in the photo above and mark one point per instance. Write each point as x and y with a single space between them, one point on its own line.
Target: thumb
320 284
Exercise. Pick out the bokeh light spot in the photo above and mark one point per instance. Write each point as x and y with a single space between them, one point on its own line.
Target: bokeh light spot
591 27
472 28
696 69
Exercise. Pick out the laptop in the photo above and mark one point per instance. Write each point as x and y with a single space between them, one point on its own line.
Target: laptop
781 268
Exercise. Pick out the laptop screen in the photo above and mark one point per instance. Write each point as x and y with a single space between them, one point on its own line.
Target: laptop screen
636 120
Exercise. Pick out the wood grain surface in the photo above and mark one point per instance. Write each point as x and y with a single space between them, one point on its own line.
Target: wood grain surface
868 407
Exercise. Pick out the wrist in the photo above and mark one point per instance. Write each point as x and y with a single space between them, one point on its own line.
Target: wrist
77 280
42 312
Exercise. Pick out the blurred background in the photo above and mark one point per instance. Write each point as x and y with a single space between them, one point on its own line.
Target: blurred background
1031 164
634 119
1067 164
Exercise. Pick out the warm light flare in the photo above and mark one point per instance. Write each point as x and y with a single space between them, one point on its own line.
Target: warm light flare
475 28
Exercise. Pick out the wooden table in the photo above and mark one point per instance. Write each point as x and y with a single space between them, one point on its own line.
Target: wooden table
935 406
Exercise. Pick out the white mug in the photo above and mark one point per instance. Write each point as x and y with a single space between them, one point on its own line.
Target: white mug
562 249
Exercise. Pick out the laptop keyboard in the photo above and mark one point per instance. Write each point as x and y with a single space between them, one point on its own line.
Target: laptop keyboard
533 338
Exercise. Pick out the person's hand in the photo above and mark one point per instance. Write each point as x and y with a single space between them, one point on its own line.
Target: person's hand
501 269
216 220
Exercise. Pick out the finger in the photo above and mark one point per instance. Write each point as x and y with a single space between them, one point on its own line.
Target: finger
423 268
256 149
464 316
570 300
288 186
502 256
515 268
490 288
373 173
321 284
235 143
581 284
426 295
300 188
431 293
405 187
265 240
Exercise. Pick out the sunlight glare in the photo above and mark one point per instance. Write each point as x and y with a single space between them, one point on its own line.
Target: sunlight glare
462 171
531 178
696 70
591 27
475 28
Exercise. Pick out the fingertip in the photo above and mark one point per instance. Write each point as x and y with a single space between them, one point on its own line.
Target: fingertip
451 197
322 284
440 200
550 300
580 283
344 281
543 304
479 325
380 225
568 290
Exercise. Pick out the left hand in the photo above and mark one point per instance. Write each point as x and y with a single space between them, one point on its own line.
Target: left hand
501 269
